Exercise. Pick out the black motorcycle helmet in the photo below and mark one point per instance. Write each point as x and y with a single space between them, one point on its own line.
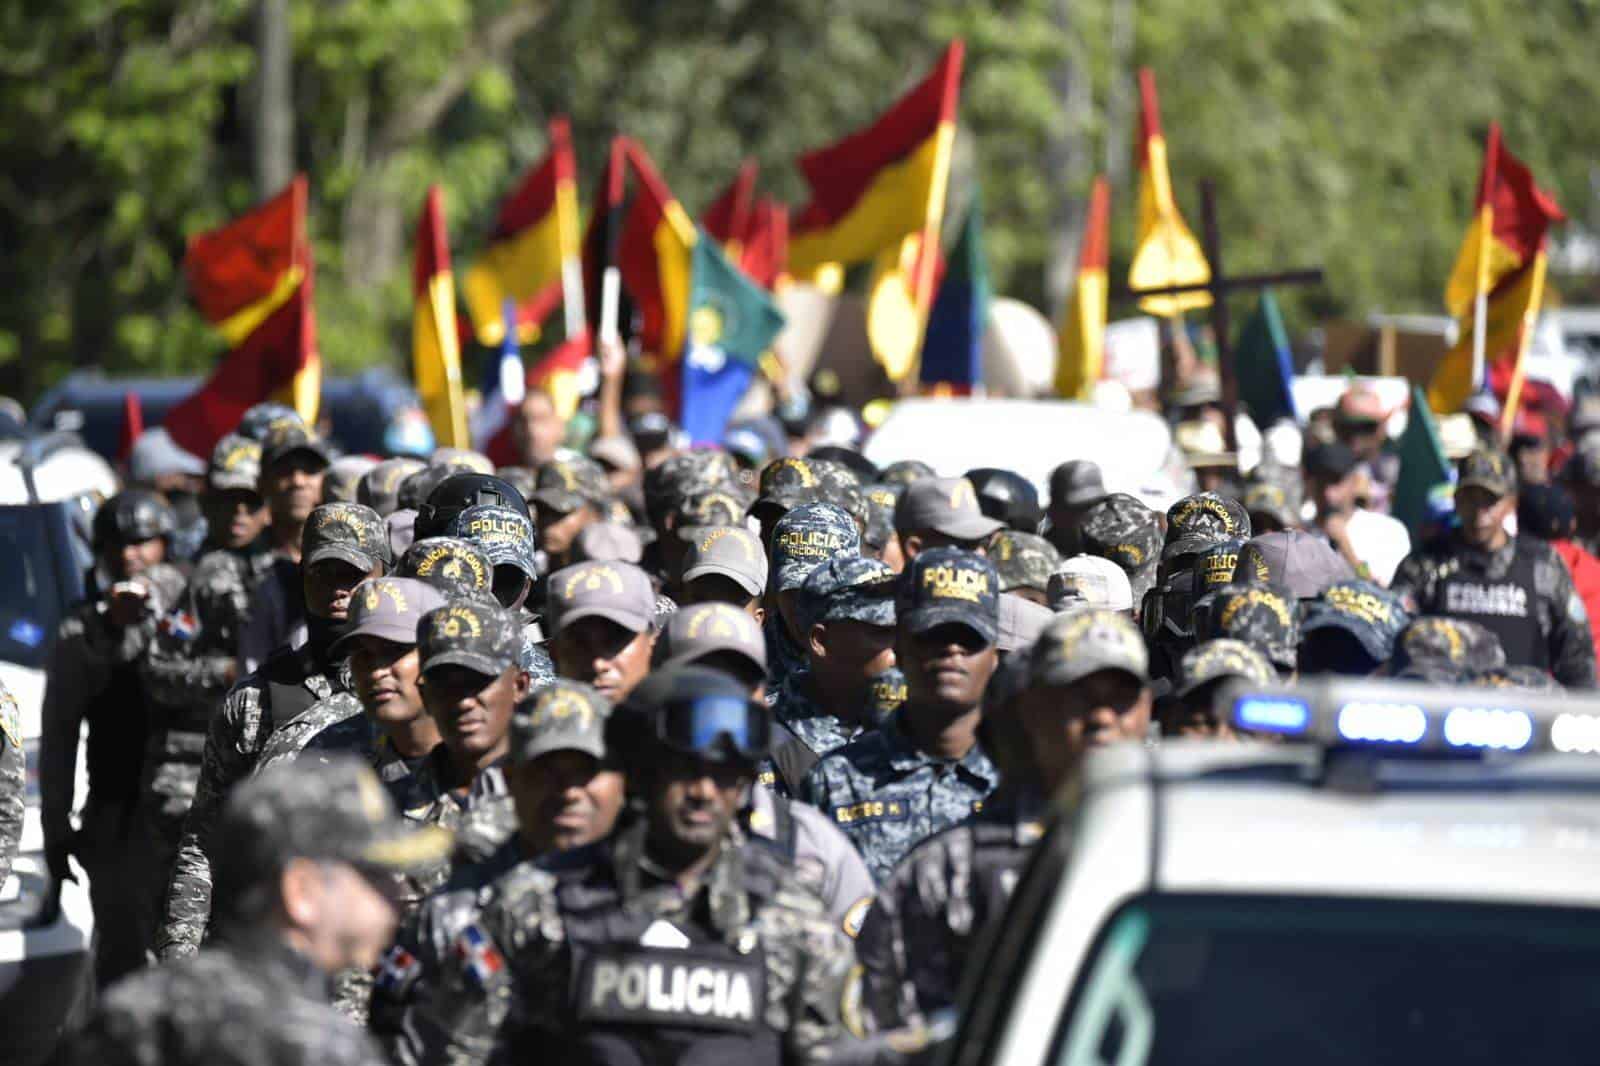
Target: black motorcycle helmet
458 492
132 516
1007 496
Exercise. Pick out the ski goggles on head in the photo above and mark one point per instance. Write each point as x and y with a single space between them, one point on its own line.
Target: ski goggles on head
723 728
1167 609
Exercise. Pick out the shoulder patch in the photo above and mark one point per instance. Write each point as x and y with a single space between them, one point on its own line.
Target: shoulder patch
10 718
856 916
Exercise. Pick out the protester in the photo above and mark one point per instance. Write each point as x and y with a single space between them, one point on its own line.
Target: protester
1372 543
1546 512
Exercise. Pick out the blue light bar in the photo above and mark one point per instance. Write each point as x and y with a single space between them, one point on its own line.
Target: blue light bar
1488 727
1365 722
1268 714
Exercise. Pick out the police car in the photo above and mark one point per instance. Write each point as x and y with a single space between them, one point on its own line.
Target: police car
50 487
1409 874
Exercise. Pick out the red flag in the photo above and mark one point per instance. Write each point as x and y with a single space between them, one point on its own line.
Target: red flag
132 424
253 280
765 256
729 217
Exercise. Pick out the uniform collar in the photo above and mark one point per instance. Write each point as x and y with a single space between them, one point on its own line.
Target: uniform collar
905 756
723 883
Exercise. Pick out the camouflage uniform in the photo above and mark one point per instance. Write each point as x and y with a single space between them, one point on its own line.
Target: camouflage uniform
920 933
290 740
260 1003
549 933
816 732
13 781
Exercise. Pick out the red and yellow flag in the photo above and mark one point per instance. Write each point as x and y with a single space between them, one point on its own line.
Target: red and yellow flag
1081 342
253 279
435 350
1166 253
1503 259
654 254
600 240
765 255
883 183
535 238
730 216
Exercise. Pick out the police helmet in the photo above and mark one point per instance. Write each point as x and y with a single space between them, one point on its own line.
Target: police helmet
691 710
458 492
132 517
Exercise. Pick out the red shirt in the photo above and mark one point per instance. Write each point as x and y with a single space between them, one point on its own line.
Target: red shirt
1585 570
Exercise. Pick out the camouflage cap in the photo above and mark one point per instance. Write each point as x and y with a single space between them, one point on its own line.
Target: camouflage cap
415 488
905 472
703 629
618 592
1522 678
885 693
471 633
1021 622
283 439
722 506
1488 469
790 472
807 537
475 461
848 588
948 506
611 542
880 500
1121 528
1373 615
1198 521
730 551
505 535
235 465
379 488
949 586
389 608
348 532
343 475
333 809
564 485
670 480
562 716
1220 659
1302 563
1081 643
1273 501
1023 560
1089 581
520 478
458 568
1214 566
1456 642
263 417
1259 615
838 485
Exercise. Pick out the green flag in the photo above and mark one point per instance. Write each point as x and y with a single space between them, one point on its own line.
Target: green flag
1424 470
732 321
1263 366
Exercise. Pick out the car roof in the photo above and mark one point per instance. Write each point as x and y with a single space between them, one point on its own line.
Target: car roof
61 467
1266 818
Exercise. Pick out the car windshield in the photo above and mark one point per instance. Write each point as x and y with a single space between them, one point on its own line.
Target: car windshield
1312 982
30 596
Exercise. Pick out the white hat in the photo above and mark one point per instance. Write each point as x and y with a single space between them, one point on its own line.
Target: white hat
1090 581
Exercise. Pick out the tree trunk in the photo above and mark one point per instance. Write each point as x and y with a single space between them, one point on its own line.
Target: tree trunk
274 112
1069 159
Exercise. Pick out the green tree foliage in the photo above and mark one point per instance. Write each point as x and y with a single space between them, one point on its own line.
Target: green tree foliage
1345 132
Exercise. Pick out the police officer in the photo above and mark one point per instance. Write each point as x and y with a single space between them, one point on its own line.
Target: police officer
846 613
603 617
1264 617
1516 587
569 495
1205 669
923 769
802 540
1121 528
506 536
303 850
941 512
1350 629
1075 487
1083 684
1025 562
194 658
877 537
1453 644
671 941
379 488
13 781
93 678
725 564
342 545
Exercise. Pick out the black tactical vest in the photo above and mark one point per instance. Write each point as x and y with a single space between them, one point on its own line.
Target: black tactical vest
1508 607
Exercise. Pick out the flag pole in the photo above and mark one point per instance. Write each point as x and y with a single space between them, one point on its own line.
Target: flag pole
1530 319
938 187
1480 301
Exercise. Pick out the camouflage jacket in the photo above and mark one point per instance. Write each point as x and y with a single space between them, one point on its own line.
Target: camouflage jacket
810 732
13 781
513 971
339 715
261 1005
920 932
237 734
886 795
196 647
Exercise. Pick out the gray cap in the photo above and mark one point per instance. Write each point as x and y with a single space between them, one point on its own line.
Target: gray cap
1021 623
1301 562
1081 643
379 487
948 506
618 592
1076 482
235 464
325 809
390 608
564 485
807 537
474 633
343 475
284 439
562 716
458 568
448 456
848 588
703 629
608 542
1223 658
402 531
155 454
1089 581
348 532
261 418
505 535
732 552
1199 521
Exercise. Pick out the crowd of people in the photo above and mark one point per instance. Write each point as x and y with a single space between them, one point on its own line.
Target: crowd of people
639 752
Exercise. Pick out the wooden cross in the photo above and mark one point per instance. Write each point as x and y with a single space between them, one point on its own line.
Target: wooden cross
1220 286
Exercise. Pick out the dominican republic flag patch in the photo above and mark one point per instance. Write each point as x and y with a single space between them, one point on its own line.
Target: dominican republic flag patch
181 625
479 958
399 969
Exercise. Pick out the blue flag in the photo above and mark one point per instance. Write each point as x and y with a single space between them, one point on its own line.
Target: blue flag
732 322
952 347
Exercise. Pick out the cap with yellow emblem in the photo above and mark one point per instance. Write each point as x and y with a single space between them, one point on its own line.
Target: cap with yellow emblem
618 592
347 532
1085 642
949 586
948 506
235 464
563 716
701 630
454 566
732 552
478 635
390 608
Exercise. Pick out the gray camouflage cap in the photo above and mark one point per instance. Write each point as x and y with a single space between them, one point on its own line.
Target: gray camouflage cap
332 809
1023 560
906 471
235 465
618 592
472 460
390 608
848 588
342 477
505 535
1372 614
1218 659
564 485
562 716
1273 500
880 499
1081 643
379 488
730 551
474 633
283 439
1198 521
1121 528
943 586
807 537
1261 616
263 417
348 532
703 629
1455 642
722 506
456 567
